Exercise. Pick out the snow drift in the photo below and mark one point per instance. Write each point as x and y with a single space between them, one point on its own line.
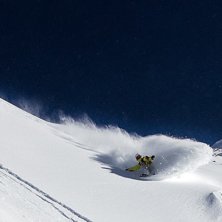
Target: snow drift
214 202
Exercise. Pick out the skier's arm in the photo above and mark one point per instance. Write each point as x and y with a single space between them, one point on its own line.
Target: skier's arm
134 168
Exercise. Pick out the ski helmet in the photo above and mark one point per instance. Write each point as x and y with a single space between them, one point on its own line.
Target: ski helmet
152 157
138 156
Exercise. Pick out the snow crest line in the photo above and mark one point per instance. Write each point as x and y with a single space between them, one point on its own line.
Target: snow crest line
47 198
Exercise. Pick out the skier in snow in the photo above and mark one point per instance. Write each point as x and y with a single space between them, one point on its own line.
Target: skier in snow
144 162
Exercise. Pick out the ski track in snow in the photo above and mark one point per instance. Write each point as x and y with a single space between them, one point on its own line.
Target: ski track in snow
67 212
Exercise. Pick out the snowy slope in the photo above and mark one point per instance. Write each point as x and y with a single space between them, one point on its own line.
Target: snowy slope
80 168
21 201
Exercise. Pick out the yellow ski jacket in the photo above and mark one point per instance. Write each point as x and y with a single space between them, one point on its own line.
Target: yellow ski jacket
144 161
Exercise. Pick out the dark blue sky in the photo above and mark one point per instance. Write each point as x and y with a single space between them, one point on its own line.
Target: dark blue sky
147 66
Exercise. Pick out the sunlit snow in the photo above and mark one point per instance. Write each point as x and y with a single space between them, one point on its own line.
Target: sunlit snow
75 171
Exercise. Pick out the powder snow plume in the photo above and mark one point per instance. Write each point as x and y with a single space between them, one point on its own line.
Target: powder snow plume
116 149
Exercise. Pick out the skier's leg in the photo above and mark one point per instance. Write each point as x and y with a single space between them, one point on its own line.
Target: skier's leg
146 171
152 170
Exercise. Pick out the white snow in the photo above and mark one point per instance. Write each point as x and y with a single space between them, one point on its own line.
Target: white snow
20 203
76 172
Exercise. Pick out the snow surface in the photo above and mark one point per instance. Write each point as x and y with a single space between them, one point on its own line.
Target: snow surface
217 145
75 171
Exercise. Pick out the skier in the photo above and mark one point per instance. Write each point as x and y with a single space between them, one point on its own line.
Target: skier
143 162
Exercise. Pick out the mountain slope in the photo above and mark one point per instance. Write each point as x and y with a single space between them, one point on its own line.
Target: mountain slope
21 201
82 166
